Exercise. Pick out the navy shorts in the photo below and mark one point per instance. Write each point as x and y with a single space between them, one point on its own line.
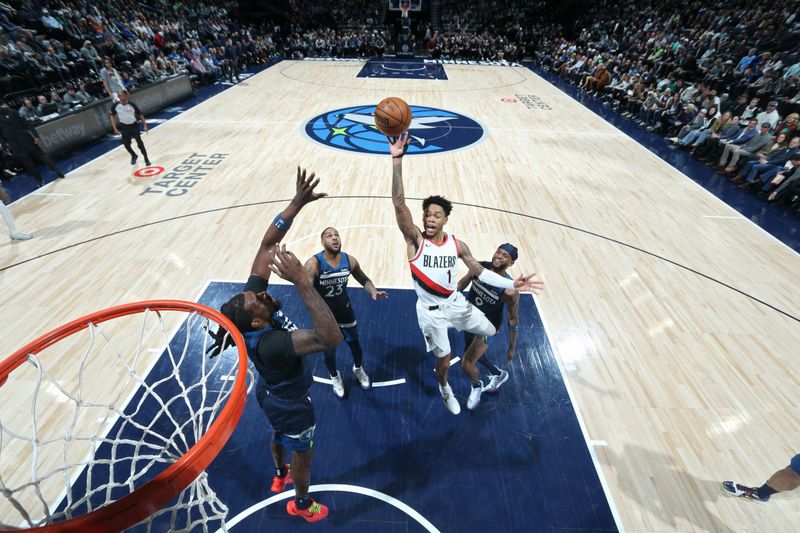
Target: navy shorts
293 421
469 336
795 464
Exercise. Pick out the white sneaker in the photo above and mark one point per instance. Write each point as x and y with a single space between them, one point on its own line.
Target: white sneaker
474 399
362 377
338 385
19 236
495 382
450 401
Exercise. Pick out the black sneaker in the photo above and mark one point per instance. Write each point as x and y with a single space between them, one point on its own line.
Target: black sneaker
147 162
134 158
750 493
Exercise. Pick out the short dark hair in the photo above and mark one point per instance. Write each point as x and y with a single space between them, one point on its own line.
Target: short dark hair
235 311
323 231
441 201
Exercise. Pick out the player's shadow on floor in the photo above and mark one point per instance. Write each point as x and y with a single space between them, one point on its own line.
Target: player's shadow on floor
659 470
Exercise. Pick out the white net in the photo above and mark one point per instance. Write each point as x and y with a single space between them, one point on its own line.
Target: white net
97 415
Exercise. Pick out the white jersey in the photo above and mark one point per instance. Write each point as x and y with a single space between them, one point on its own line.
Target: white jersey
435 270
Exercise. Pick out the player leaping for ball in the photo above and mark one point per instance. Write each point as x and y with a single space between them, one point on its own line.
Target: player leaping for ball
432 255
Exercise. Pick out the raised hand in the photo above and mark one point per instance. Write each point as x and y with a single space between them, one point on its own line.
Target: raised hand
398 145
304 192
527 284
285 264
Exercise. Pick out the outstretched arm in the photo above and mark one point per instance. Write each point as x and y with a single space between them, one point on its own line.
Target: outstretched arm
325 333
364 280
304 194
522 283
398 149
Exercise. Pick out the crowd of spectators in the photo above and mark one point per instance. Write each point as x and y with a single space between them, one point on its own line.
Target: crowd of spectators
65 53
719 79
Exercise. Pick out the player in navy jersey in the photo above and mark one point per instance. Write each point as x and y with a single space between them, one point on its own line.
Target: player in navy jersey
329 271
432 256
491 301
276 348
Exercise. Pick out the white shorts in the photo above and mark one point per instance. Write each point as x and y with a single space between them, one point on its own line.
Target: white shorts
451 313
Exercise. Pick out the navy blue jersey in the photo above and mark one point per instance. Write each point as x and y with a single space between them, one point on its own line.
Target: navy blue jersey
488 298
272 353
331 284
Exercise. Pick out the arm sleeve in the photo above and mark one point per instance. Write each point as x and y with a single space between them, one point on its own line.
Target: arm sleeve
495 280
136 110
113 110
276 350
256 284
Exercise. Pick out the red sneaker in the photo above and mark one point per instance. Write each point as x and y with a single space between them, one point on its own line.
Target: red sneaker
314 513
279 483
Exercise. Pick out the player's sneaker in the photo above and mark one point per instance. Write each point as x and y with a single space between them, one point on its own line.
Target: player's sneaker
734 489
495 382
19 236
314 513
474 399
362 377
279 483
450 400
338 384
134 158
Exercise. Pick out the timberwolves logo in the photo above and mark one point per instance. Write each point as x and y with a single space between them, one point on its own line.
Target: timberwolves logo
432 131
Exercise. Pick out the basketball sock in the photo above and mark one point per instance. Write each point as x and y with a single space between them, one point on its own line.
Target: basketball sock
765 491
5 212
487 364
302 503
282 471
358 355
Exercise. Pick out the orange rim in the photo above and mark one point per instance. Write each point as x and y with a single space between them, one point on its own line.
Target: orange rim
153 495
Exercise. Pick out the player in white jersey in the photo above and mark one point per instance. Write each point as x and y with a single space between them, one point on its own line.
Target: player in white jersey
432 255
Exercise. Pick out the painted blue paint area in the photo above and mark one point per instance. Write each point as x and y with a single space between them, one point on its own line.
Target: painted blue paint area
518 463
23 184
413 70
776 220
432 130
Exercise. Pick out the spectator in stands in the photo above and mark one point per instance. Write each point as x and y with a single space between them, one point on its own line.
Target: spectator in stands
769 116
788 184
28 111
90 55
734 150
61 106
45 108
761 171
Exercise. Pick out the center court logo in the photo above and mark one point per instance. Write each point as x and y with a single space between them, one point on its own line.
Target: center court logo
432 131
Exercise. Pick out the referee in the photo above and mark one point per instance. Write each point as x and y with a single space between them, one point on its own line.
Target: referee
129 116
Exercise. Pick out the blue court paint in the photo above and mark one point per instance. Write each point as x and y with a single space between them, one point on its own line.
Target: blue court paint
409 70
776 220
519 463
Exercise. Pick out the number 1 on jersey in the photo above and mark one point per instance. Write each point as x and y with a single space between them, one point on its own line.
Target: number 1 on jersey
448 277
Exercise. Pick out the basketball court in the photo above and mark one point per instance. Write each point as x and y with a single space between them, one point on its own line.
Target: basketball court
660 359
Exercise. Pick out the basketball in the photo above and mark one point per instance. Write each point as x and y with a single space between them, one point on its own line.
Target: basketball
392 116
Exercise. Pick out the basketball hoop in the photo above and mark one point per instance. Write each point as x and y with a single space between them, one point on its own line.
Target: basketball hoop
166 442
405 7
